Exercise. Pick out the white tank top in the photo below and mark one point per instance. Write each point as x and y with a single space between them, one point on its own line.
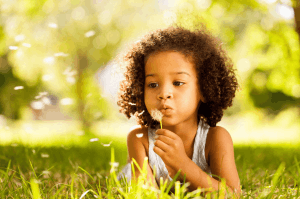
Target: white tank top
157 163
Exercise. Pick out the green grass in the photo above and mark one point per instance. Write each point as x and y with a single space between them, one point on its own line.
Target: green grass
69 172
67 165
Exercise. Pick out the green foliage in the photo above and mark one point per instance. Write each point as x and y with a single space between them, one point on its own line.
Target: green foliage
84 172
265 50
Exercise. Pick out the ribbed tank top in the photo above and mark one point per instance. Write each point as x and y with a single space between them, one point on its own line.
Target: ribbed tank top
157 163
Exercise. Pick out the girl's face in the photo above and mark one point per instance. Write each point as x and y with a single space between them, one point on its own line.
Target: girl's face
171 86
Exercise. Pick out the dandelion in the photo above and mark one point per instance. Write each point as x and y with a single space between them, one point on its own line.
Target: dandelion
157 115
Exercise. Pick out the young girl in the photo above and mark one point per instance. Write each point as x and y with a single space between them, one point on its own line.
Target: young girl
189 78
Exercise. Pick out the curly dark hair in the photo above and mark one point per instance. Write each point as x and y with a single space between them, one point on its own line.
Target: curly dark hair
217 79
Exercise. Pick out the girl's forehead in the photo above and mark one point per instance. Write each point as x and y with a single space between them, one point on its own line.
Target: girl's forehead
168 61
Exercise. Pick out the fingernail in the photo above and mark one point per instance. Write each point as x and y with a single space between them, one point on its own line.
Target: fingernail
156 136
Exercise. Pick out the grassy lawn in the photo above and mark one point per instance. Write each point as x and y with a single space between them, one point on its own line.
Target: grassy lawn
65 164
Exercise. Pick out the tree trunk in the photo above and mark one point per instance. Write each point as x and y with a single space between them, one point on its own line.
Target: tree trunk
297 18
81 64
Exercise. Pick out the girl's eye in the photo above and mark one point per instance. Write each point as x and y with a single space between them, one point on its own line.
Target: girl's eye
178 83
152 85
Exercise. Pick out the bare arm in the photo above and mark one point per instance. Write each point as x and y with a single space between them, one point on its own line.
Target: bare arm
221 159
137 150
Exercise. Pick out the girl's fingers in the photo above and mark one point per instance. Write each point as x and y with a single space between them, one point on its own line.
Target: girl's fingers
164 139
166 133
160 144
158 151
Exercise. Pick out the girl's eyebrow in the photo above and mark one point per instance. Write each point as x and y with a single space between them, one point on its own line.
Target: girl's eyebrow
176 73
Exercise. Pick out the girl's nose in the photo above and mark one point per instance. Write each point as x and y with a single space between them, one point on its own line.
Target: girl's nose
165 95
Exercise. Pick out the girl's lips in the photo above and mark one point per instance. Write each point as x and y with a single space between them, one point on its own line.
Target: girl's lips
166 111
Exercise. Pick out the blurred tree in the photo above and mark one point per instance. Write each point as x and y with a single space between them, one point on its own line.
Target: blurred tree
263 45
60 45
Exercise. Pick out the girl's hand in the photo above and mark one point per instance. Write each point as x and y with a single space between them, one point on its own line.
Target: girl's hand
170 148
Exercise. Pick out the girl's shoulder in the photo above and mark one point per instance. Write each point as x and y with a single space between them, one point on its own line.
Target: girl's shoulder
138 134
218 135
218 140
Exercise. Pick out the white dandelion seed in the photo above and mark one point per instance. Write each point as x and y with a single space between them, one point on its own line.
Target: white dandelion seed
43 93
156 115
13 47
46 100
26 45
49 60
52 25
89 33
37 105
94 140
141 113
19 87
106 145
131 103
71 79
61 54
33 151
19 38
114 164
139 135
45 155
66 101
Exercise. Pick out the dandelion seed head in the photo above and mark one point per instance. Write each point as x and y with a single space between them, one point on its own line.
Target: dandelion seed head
156 115
19 87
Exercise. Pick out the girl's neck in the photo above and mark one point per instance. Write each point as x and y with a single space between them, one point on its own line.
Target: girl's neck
186 131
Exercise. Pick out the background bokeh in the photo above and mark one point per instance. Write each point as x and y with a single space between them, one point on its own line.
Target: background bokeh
59 81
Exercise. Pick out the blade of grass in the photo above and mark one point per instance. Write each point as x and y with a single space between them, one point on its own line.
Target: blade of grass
58 191
33 169
35 189
275 179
